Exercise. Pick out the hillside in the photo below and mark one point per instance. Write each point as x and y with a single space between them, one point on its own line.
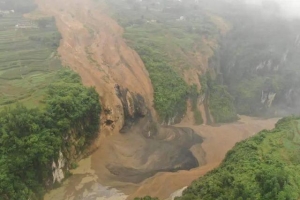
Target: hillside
247 51
177 41
29 60
257 59
133 147
150 98
265 166
48 119
38 146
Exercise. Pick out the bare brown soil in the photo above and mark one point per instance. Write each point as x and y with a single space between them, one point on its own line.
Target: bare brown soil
92 45
129 150
218 141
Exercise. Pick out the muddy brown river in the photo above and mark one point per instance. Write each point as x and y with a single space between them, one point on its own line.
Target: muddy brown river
135 163
142 167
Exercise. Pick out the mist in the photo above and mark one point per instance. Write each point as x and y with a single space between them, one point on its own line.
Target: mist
290 8
154 94
287 8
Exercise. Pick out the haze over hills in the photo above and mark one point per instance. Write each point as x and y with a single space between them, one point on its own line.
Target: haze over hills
153 94
288 9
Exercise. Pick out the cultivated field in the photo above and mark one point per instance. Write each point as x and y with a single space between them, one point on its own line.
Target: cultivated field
28 58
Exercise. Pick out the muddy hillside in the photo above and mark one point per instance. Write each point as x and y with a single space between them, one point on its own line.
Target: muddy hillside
93 46
135 154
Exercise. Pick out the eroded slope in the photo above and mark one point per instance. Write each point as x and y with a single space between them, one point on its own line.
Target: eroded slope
92 45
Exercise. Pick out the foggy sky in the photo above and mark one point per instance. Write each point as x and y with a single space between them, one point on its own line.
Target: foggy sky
288 8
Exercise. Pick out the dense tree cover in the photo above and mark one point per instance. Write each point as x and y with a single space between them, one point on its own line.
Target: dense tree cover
31 139
164 45
170 90
165 35
256 57
220 102
264 167
194 96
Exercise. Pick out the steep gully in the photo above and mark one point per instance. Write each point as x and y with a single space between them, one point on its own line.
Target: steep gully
131 147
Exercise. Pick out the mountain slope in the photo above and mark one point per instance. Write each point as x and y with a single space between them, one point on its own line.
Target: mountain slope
132 145
28 61
92 45
257 59
265 166
177 41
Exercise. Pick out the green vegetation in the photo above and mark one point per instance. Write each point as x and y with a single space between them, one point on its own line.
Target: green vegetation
198 117
260 56
194 96
220 102
28 58
265 167
170 90
252 60
168 46
31 139
44 109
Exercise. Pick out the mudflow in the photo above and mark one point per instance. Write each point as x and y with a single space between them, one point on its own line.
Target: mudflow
133 156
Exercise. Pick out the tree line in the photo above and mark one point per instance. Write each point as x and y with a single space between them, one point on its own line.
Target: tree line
31 139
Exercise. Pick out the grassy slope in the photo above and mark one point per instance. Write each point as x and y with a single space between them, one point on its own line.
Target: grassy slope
265 166
28 60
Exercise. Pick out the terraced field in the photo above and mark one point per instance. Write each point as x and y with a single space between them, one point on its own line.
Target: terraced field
28 58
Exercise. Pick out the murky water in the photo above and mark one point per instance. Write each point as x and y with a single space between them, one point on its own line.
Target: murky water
99 192
84 185
92 180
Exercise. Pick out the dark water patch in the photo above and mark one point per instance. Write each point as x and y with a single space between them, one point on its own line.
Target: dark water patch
167 150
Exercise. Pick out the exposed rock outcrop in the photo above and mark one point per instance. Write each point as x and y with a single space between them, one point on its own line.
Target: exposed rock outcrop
58 169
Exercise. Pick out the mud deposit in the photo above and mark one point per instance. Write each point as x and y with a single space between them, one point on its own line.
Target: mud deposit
127 159
135 156
137 164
